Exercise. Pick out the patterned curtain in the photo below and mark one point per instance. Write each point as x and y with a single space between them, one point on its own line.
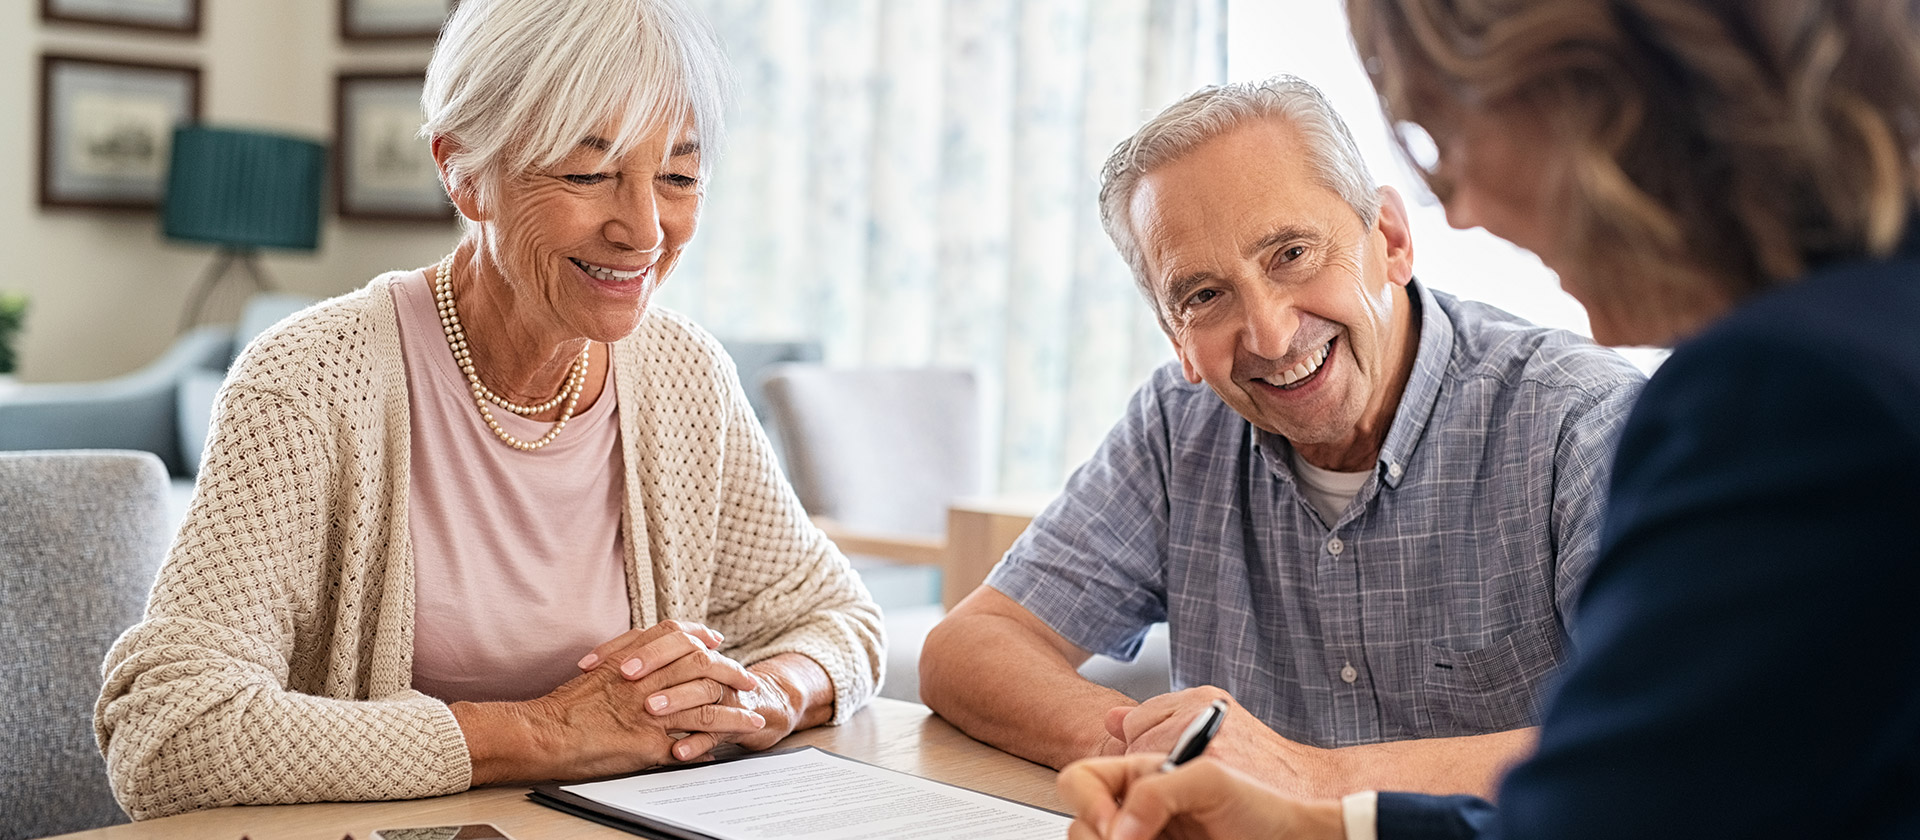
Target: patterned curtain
912 182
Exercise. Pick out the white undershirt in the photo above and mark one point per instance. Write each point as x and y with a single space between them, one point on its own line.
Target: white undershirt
1329 492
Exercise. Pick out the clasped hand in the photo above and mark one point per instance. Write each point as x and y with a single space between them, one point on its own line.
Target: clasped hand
640 691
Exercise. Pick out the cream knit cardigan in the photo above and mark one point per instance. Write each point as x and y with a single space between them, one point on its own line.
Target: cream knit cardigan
274 662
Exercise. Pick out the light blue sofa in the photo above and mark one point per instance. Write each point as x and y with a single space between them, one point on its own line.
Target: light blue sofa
137 411
163 408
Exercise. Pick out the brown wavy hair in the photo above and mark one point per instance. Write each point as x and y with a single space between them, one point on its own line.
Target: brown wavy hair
1725 142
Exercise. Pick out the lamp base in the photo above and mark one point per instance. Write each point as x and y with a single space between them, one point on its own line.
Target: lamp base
248 260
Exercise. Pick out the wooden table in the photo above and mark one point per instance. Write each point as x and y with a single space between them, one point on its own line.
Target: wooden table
891 733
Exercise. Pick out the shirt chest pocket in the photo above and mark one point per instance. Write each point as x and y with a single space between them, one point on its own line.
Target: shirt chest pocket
1495 688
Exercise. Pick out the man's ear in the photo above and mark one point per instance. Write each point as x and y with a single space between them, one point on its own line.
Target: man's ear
460 189
1398 235
1186 365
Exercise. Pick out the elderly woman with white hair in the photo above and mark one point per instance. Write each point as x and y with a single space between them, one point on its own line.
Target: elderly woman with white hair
425 500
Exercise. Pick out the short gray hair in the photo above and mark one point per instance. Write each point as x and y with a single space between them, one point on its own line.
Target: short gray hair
519 83
1210 112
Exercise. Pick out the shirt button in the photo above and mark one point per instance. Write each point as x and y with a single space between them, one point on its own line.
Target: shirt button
1335 546
1348 674
1393 470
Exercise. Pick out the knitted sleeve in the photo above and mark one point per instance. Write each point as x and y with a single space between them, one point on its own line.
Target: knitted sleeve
242 684
780 585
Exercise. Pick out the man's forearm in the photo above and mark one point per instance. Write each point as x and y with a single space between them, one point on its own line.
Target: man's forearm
998 684
1470 764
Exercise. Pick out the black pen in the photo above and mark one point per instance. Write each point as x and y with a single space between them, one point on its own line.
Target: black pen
1199 734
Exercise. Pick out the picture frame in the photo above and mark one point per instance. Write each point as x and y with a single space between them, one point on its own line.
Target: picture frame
382 169
106 129
393 20
180 17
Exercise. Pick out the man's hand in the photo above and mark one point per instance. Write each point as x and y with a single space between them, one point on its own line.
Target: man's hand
1243 743
1462 764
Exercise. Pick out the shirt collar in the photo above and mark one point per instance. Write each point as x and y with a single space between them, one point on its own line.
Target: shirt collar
1416 400
1423 385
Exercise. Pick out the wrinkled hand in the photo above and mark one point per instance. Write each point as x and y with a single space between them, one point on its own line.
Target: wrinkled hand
1244 742
597 724
698 690
1128 798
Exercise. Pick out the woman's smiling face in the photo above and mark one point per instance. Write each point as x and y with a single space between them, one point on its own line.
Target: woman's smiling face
584 243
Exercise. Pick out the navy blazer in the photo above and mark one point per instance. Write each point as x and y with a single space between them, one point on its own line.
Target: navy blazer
1747 657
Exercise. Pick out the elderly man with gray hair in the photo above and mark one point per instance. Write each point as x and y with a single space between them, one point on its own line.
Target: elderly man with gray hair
1363 507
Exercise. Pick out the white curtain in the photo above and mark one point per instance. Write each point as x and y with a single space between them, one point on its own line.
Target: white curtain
912 182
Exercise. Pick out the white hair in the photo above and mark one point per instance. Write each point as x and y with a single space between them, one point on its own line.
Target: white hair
517 84
1331 156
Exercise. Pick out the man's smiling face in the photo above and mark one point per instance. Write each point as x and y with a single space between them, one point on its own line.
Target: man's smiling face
1275 292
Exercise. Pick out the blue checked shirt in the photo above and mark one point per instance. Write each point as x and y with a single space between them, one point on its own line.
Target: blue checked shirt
1436 605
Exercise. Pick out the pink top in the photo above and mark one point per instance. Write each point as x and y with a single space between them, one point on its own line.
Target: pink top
518 568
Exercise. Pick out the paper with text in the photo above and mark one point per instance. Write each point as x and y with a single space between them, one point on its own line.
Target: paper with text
811 794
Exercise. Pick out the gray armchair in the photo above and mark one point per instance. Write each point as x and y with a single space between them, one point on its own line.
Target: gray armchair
879 450
82 537
162 408
751 360
878 456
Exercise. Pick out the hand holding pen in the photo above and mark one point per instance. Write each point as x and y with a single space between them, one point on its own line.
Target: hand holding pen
1136 797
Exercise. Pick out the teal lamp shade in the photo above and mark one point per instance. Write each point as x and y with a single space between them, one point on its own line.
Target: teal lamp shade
244 189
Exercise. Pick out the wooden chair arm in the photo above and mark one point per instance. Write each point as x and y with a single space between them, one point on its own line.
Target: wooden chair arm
915 549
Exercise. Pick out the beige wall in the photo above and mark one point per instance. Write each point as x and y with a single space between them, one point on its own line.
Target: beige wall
107 291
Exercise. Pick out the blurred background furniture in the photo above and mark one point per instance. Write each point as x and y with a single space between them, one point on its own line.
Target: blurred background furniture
752 360
241 191
981 529
876 455
163 408
889 463
134 411
82 537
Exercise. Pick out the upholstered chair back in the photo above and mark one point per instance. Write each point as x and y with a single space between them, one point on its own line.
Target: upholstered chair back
879 449
82 533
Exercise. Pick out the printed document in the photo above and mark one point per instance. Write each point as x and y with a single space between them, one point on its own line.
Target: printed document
811 794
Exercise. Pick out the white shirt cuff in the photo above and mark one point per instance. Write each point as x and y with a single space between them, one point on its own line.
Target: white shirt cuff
1360 812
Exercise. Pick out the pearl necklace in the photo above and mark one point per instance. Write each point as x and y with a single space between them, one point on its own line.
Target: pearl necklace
482 395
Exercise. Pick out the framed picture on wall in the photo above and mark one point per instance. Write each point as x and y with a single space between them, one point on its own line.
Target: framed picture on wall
382 168
106 129
182 16
389 20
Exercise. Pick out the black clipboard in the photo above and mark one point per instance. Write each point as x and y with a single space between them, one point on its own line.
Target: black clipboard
552 796
629 821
